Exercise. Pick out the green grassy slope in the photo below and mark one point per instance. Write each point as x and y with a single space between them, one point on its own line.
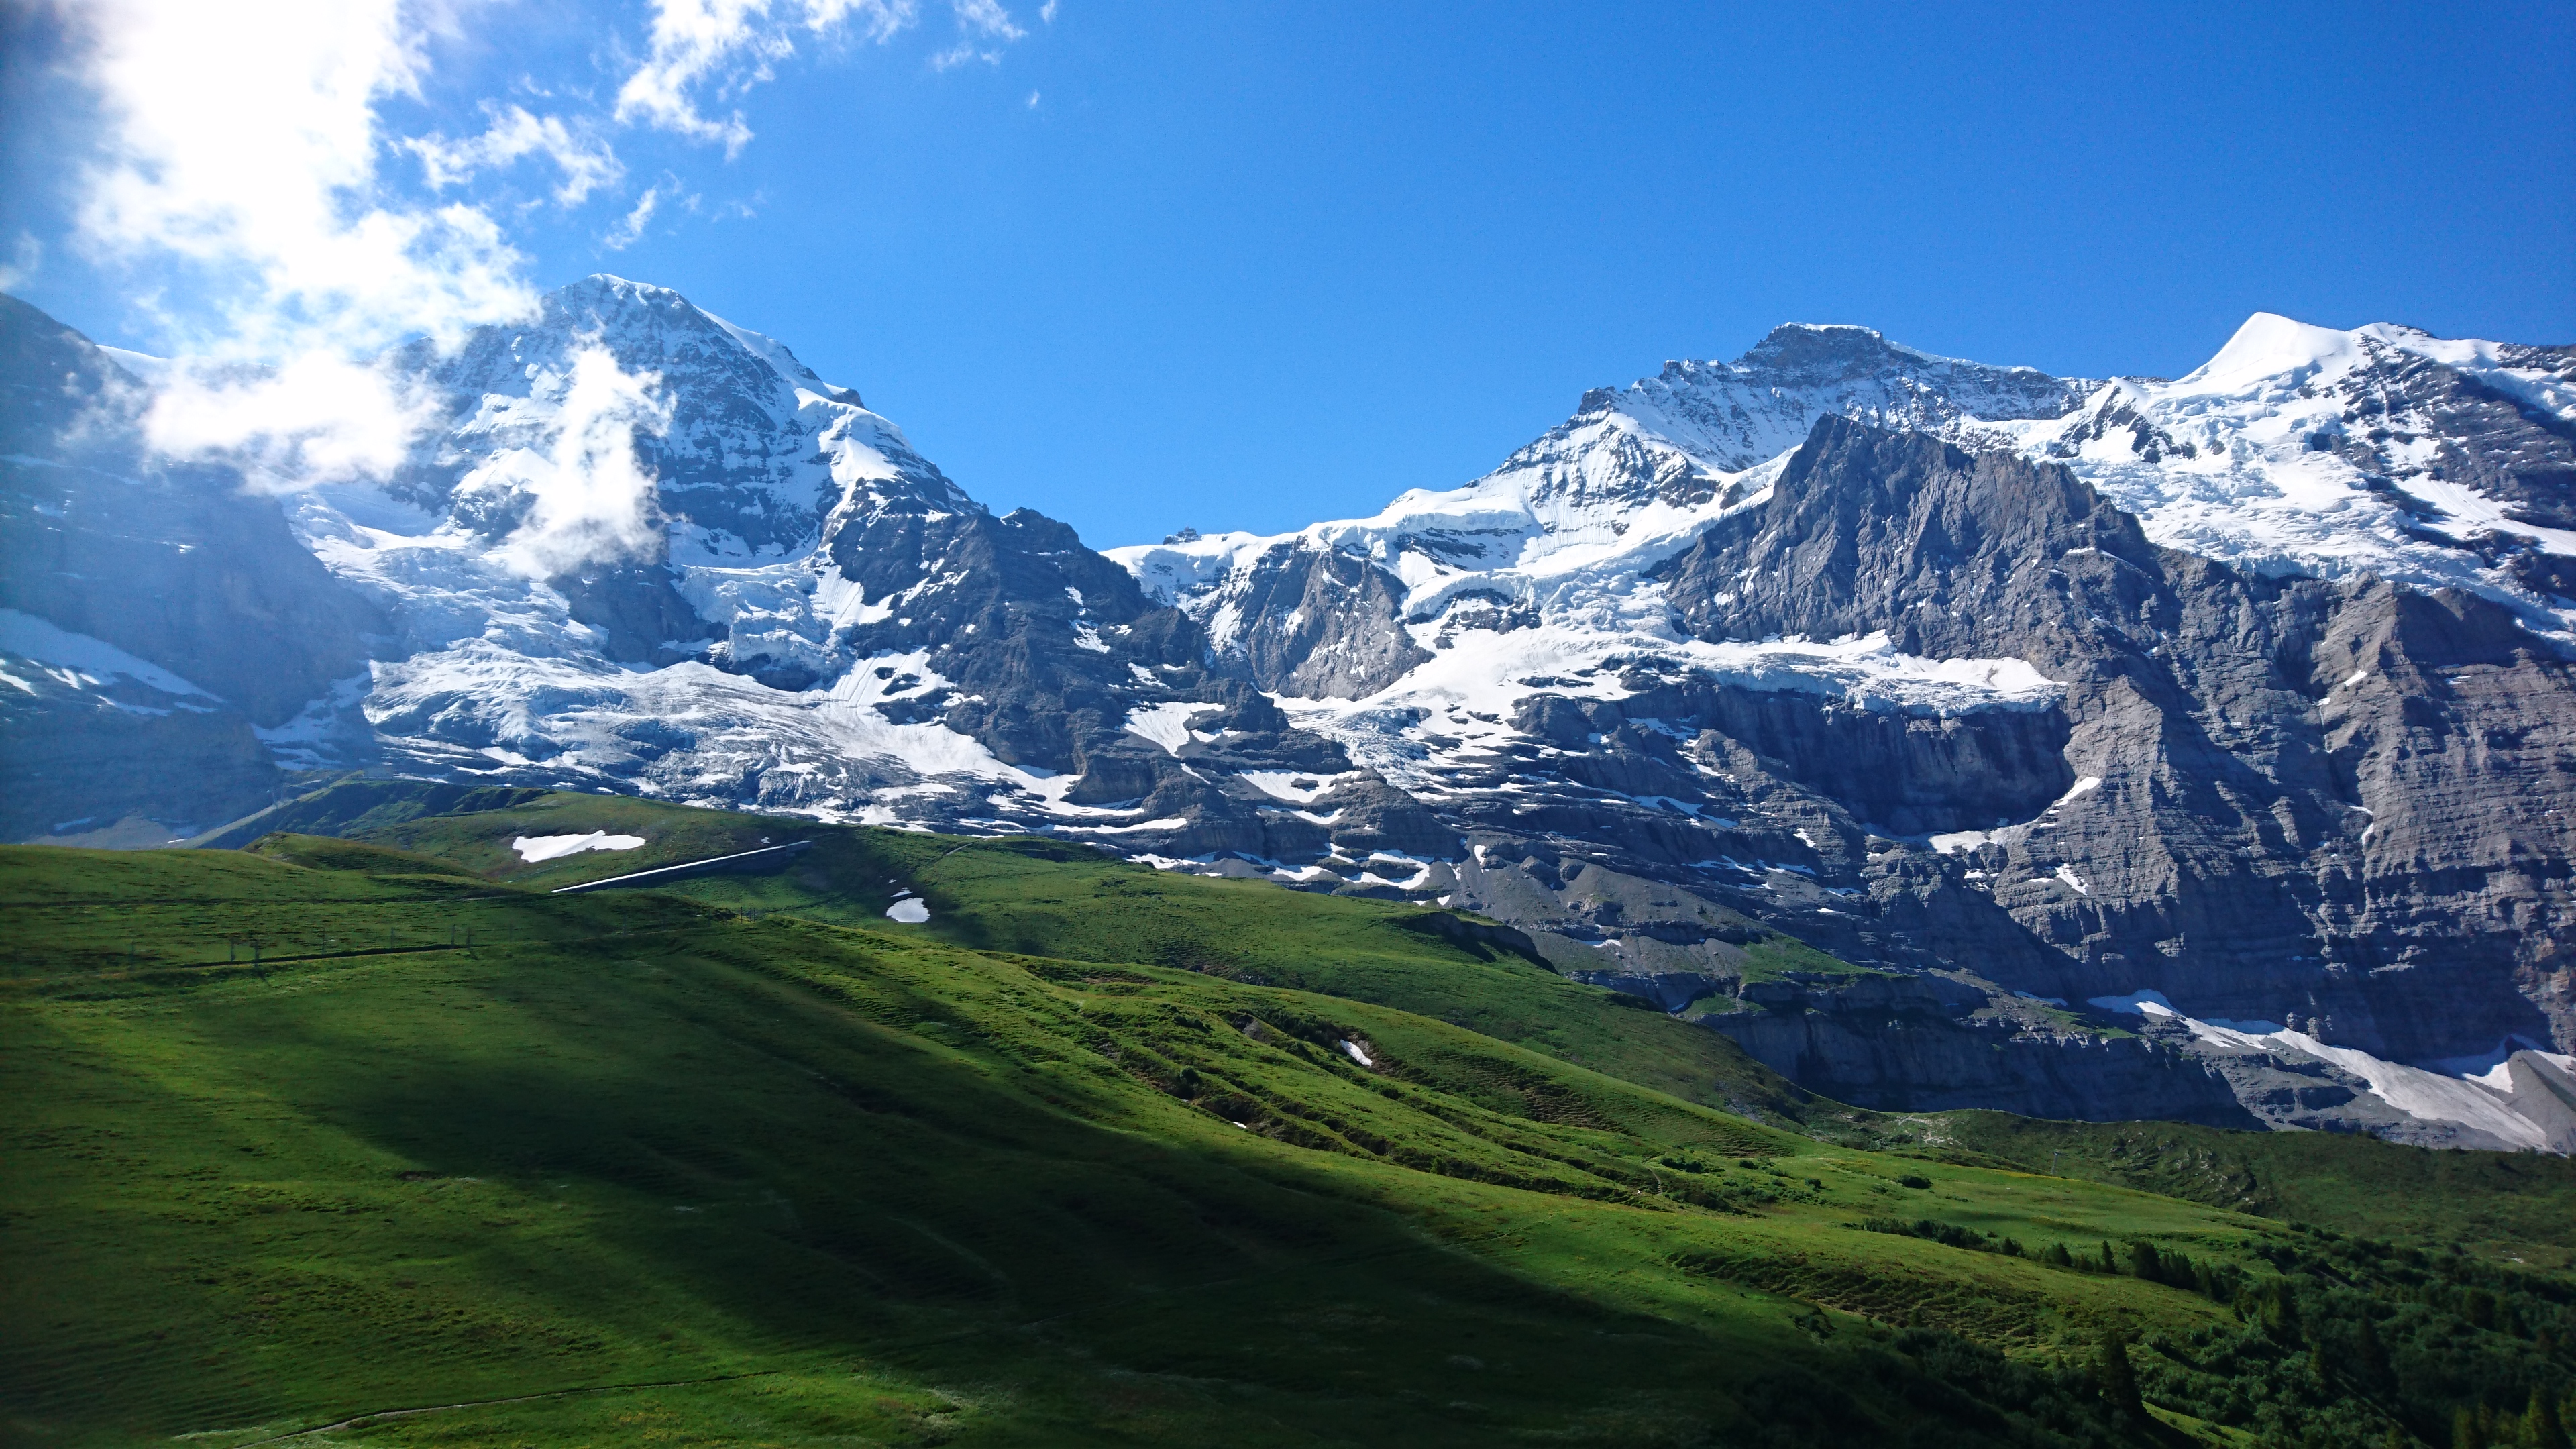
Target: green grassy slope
745 1162
2507 1207
1068 901
923 1192
1049 898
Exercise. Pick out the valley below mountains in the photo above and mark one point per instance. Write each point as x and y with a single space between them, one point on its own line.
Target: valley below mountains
1945 735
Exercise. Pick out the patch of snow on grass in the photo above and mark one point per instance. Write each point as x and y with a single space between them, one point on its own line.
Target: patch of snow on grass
534 848
910 911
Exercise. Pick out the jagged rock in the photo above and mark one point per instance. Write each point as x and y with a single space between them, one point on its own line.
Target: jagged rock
1671 990
1317 623
1904 1043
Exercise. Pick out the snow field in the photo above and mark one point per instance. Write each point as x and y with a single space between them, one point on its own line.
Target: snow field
534 848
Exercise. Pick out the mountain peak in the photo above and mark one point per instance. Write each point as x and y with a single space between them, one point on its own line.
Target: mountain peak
1814 348
1829 333
1810 348
649 325
2269 346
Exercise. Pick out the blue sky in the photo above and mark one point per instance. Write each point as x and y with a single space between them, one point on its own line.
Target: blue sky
1236 265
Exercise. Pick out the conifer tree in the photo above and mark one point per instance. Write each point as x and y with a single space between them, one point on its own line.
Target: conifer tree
2540 1426
2281 1312
2370 1359
2144 1262
2119 1378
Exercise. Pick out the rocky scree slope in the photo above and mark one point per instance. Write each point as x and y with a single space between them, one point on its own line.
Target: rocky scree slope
1948 735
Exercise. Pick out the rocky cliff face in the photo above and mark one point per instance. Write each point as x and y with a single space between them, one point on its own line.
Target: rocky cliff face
2277 773
1948 735
160 630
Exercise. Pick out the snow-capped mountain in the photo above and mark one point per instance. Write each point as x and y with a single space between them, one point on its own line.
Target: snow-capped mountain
1567 525
814 617
2240 697
2383 451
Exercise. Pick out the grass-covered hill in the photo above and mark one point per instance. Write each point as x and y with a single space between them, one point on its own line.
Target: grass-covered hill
372 1139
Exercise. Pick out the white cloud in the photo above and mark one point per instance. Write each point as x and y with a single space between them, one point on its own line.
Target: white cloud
317 419
246 154
239 182
978 21
1033 100
24 259
589 496
586 162
733 44
1046 12
986 18
627 232
238 165
730 46
236 172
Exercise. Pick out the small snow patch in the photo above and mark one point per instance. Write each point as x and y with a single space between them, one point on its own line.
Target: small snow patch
910 911
1294 785
534 848
1356 1053
2067 874
2136 1003
1168 822
1166 724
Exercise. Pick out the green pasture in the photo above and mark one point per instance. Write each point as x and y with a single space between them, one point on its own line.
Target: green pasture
1096 1155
